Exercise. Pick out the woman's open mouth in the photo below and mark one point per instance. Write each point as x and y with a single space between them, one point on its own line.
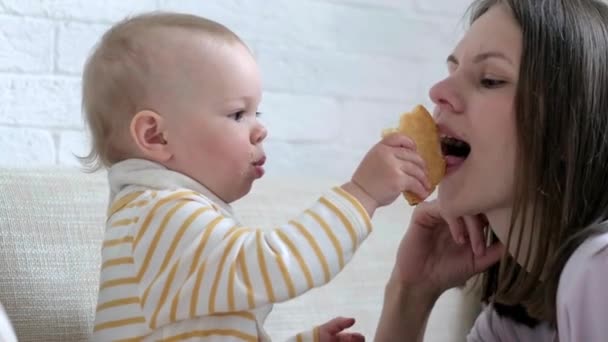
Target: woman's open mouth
455 151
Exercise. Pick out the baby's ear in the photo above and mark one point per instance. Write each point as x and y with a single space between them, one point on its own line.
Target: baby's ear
149 132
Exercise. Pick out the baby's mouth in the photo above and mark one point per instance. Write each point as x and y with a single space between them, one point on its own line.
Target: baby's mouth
454 147
260 162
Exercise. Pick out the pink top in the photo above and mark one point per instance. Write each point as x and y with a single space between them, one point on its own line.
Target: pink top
582 304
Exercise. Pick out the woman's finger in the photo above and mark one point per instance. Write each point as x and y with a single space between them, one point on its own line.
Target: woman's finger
491 256
457 229
428 215
475 229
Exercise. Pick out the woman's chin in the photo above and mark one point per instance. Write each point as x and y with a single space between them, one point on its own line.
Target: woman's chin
455 206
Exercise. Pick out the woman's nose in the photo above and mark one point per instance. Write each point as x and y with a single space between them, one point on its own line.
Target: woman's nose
447 95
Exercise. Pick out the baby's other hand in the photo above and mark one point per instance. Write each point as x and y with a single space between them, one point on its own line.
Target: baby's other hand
333 331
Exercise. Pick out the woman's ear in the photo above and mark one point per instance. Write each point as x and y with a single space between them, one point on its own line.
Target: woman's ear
149 132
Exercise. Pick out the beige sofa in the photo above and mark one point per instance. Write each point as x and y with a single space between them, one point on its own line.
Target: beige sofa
51 227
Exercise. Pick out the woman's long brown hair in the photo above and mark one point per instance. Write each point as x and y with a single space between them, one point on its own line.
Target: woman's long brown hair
562 135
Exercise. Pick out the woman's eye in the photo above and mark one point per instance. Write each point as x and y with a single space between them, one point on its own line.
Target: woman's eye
491 83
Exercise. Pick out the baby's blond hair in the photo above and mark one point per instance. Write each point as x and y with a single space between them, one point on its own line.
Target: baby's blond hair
118 75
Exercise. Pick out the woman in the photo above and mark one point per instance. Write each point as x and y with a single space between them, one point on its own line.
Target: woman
525 106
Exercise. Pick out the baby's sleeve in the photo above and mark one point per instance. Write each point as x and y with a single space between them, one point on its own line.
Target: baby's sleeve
193 261
582 299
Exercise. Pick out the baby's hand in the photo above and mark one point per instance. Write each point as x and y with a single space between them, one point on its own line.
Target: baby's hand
391 167
333 331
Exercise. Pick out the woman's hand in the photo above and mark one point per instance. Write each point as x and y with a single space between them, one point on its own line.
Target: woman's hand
429 258
429 261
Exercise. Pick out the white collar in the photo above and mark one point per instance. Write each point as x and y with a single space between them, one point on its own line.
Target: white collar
145 173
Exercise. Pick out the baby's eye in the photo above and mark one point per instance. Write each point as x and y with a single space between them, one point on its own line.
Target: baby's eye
237 116
491 83
258 114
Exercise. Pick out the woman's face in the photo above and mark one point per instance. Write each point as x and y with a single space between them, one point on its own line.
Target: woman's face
476 117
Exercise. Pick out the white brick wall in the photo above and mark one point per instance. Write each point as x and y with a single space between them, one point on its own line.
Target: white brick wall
335 72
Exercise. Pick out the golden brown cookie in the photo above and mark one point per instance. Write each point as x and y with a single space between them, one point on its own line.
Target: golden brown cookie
419 126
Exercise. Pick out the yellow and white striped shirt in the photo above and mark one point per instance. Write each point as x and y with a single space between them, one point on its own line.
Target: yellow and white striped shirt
176 265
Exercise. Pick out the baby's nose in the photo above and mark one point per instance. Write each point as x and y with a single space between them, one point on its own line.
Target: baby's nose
259 134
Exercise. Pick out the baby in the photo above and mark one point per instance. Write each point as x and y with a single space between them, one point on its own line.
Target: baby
171 101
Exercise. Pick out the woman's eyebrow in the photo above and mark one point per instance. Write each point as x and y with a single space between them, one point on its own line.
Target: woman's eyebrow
482 57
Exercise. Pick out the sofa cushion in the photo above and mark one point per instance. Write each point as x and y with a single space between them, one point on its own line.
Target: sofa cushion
51 228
